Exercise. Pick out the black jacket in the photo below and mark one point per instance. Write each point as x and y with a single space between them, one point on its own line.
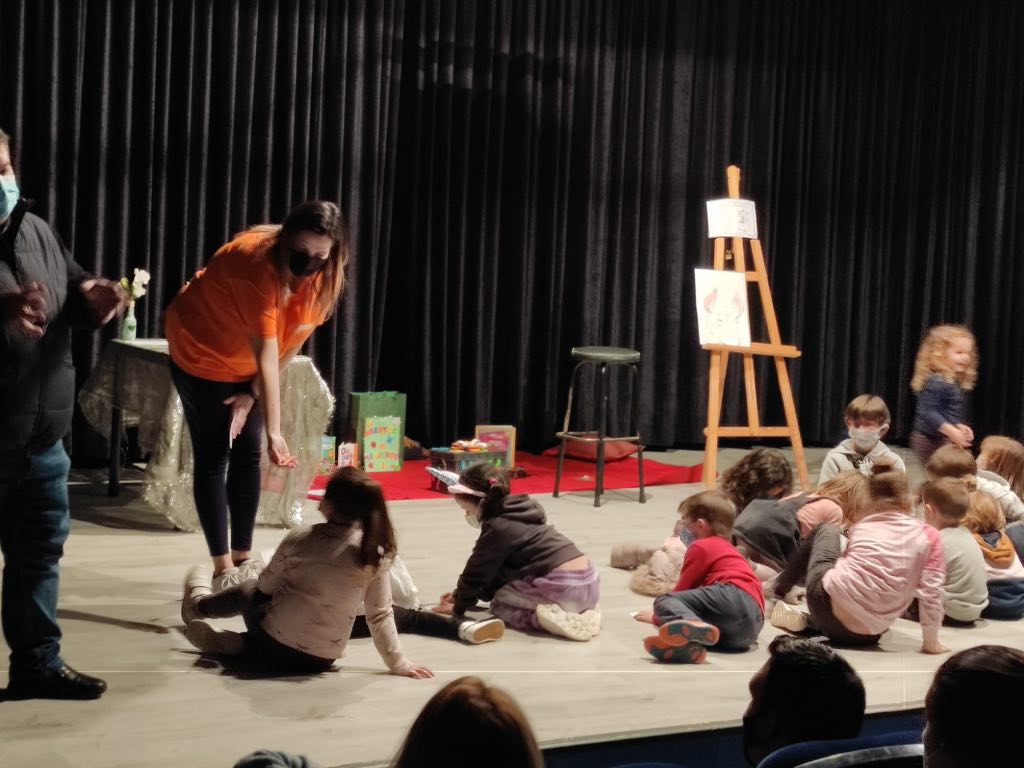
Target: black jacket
515 541
37 378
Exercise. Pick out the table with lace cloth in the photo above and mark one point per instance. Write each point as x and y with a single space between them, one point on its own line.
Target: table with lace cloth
133 378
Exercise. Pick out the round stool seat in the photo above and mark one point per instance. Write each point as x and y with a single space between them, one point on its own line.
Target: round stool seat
622 355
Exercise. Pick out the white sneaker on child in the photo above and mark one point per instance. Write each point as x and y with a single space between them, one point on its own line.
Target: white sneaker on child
198 583
573 626
209 639
785 616
485 631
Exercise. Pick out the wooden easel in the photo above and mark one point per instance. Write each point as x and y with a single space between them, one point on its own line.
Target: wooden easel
774 348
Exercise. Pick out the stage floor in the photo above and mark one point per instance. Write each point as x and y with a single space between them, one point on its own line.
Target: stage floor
167 706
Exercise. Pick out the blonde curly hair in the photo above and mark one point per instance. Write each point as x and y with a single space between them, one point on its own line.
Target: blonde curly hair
931 357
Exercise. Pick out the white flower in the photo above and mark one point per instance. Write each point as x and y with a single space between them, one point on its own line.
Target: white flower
139 283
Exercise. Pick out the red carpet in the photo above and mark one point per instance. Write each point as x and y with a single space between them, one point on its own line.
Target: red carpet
413 481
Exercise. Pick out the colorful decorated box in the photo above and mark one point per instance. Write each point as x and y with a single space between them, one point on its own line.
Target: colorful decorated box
382 444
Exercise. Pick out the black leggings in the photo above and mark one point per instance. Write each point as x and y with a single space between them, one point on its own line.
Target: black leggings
223 478
411 622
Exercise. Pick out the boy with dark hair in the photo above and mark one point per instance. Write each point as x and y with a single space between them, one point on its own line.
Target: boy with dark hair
718 599
867 421
787 693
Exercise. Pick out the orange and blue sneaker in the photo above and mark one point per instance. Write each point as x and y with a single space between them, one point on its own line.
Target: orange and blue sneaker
683 641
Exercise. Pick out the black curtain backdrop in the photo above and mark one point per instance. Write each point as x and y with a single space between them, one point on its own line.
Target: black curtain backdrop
522 177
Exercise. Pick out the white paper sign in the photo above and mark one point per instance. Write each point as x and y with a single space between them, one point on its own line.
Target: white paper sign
722 314
731 217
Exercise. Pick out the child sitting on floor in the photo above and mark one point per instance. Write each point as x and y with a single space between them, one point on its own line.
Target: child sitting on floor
533 576
965 594
957 462
764 473
1002 565
1001 474
867 421
299 613
718 600
855 596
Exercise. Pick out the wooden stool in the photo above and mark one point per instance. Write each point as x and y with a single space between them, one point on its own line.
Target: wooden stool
602 357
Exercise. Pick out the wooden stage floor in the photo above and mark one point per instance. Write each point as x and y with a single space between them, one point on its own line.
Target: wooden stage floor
167 706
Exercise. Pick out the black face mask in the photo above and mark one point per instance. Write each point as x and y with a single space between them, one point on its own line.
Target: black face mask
302 264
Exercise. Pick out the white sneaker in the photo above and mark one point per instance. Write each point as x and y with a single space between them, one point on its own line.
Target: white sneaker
571 625
477 632
785 616
230 577
592 621
198 583
209 639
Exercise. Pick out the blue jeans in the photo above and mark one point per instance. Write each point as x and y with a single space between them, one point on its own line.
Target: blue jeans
736 614
34 523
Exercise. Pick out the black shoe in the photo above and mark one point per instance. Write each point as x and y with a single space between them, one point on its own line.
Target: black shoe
57 683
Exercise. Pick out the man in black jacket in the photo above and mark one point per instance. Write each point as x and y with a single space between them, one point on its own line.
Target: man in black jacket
42 293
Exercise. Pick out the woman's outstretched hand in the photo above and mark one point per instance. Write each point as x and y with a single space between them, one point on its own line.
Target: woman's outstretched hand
277 448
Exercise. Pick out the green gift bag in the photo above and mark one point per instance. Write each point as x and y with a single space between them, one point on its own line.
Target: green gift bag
364 405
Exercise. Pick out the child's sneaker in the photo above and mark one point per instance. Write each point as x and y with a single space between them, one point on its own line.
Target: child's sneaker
197 584
552 618
592 621
785 616
486 631
209 639
685 631
687 653
227 578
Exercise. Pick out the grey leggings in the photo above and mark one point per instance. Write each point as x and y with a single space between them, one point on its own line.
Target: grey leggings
816 556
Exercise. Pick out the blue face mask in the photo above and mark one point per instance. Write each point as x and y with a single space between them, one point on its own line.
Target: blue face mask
9 194
687 537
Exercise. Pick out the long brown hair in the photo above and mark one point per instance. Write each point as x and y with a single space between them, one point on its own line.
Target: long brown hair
849 490
322 218
1005 457
467 724
352 497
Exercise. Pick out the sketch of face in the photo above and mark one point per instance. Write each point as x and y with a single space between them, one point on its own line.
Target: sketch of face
723 318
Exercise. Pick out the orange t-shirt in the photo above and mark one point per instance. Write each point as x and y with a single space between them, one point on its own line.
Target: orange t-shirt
237 297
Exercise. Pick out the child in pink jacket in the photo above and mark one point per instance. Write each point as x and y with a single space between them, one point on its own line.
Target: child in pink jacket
892 558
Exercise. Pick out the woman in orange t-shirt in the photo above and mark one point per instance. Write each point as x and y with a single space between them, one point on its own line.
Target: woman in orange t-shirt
231 331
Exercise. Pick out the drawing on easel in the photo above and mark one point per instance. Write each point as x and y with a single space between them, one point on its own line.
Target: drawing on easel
722 313
732 217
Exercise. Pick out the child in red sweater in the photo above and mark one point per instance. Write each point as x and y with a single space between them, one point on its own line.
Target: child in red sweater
718 600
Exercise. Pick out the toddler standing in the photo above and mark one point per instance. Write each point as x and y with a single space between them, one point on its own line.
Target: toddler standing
946 366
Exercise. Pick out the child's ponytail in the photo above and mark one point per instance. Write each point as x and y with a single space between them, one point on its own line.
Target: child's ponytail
352 496
490 482
889 490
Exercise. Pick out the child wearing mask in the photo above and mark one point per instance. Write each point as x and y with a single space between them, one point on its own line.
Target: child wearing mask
535 578
718 601
867 421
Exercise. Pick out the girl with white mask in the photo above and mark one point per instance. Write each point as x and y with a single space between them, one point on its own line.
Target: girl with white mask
534 577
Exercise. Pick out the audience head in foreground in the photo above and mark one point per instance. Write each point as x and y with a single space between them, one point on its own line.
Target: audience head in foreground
466 724
972 708
804 692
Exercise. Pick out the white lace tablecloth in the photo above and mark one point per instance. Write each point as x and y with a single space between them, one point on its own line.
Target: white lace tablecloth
135 376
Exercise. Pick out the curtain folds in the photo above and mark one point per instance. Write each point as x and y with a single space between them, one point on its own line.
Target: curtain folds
524 176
